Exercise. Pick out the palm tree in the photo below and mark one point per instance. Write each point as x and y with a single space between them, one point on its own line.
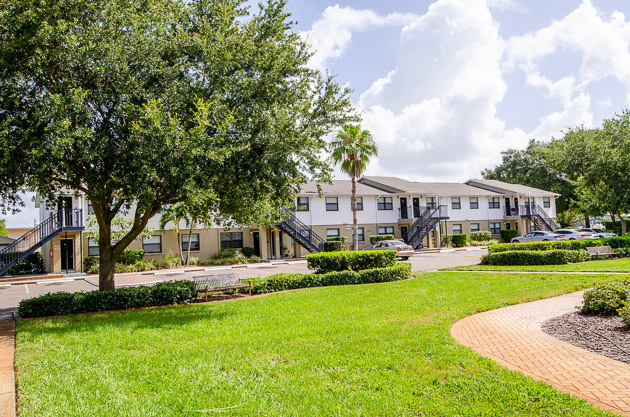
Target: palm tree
353 147
175 214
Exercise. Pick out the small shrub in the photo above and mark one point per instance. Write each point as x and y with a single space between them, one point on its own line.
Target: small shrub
247 251
613 242
130 257
507 235
482 242
282 282
481 236
623 252
459 240
163 293
606 298
378 238
624 312
551 257
90 264
32 264
354 260
333 245
447 241
169 261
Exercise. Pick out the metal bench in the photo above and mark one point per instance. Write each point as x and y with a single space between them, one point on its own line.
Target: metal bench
601 251
221 282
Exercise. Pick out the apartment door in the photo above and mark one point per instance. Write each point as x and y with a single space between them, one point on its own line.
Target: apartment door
256 237
403 208
416 207
67 254
508 210
403 231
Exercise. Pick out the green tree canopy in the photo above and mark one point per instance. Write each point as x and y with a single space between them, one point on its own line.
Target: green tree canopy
143 103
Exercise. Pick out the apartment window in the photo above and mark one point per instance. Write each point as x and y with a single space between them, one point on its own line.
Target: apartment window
495 228
474 202
389 230
302 204
457 229
431 202
93 249
385 203
359 204
456 203
332 204
546 202
474 227
360 234
493 203
152 244
231 240
194 239
90 208
332 232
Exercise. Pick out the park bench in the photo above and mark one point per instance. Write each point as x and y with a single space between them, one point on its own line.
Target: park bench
601 251
222 282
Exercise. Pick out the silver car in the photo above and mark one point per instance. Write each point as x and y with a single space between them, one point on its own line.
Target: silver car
538 236
598 234
404 250
571 234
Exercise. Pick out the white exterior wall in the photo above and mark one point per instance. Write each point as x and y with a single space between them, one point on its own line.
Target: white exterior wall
318 216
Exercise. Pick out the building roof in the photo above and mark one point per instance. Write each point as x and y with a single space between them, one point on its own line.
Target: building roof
339 187
5 240
514 188
429 188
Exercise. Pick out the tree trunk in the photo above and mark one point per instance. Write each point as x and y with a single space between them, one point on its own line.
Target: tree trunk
189 243
614 223
624 225
587 221
355 223
107 261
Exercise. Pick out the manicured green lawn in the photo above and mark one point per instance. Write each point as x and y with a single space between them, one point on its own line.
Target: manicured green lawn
365 350
611 265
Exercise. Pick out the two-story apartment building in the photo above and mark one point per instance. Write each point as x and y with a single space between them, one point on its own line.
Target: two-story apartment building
418 212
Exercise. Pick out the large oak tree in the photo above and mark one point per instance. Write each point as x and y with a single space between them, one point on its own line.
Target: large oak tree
144 103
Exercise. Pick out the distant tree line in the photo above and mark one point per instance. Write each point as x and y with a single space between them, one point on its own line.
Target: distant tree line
590 168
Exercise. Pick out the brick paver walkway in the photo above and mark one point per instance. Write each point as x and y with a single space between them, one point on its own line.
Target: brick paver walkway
513 337
7 378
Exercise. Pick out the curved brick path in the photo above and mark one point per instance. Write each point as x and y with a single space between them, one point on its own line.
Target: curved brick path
513 337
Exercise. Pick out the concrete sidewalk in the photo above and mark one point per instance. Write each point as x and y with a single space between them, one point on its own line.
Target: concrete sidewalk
512 336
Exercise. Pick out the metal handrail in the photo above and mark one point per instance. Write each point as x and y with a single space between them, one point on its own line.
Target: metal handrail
424 212
299 228
532 209
434 212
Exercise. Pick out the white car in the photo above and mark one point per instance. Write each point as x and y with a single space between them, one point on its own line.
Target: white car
598 234
538 236
574 234
403 250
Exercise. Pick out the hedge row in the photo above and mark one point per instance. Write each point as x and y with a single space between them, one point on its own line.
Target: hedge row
32 264
613 242
57 304
549 257
507 235
281 282
606 298
480 236
459 240
350 260
378 238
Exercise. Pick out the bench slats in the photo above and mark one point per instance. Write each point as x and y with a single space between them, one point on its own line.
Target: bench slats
220 282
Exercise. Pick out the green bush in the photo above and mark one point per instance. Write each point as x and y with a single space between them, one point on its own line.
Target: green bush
613 242
335 244
447 241
550 257
459 240
507 235
378 238
482 242
606 298
130 257
90 264
32 264
57 304
350 260
481 236
282 282
623 252
168 261
247 251
624 312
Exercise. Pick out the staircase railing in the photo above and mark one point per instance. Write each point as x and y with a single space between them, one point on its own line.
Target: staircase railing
534 210
34 238
431 216
301 232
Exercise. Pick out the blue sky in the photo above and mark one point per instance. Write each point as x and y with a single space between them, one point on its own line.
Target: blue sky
446 85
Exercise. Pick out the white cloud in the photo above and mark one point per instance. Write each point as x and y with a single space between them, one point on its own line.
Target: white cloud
331 34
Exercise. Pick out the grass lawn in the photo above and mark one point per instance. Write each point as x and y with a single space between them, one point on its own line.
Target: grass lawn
611 265
365 350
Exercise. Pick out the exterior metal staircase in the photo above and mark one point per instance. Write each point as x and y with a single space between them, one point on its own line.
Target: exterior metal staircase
539 217
29 242
430 216
301 233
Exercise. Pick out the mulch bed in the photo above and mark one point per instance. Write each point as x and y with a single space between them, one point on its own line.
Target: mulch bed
605 335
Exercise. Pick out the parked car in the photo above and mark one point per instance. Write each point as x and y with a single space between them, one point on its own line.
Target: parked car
598 234
574 234
538 236
404 250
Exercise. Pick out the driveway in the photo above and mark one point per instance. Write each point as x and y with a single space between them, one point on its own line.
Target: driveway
12 293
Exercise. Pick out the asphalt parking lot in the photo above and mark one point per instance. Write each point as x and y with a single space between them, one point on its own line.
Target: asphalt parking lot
12 293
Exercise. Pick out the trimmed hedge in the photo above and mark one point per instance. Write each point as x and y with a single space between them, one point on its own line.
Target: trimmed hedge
606 298
335 244
350 260
507 235
613 242
130 257
550 257
378 238
248 251
281 282
459 240
481 236
32 264
61 303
